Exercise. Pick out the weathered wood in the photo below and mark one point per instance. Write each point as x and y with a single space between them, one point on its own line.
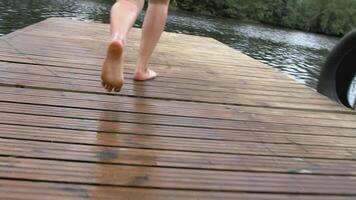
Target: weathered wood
59 191
216 124
103 151
168 178
182 144
225 114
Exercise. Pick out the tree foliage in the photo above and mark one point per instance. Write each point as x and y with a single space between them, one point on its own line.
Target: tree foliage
333 17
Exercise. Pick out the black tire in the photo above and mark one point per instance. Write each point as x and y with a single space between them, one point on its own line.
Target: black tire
339 70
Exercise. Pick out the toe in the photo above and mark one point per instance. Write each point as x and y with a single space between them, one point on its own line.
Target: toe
117 89
110 88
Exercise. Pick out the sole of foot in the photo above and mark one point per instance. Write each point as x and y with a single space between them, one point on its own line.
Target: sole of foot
112 77
145 76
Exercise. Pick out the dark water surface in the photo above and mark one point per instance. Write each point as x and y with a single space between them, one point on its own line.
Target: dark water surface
296 53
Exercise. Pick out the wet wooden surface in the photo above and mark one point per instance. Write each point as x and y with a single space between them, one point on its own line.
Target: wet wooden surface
216 124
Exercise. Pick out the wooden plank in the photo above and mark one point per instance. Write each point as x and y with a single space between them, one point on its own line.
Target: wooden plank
209 77
175 42
177 73
172 109
187 127
26 70
101 150
114 103
216 124
167 78
237 136
55 83
236 99
165 81
140 140
169 120
167 178
20 190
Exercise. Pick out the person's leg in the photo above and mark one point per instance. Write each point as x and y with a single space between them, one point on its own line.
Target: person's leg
123 16
152 29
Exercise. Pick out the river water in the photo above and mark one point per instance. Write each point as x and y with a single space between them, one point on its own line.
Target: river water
296 53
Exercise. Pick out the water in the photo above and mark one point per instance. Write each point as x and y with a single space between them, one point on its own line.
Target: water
299 54
296 53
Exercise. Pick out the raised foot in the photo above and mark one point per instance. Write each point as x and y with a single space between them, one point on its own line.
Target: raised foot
145 75
112 77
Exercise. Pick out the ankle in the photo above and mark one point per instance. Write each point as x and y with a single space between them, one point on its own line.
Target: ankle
141 70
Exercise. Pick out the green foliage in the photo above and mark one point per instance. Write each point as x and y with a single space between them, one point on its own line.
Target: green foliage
334 17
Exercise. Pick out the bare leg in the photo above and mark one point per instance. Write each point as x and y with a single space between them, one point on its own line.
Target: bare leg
152 29
123 16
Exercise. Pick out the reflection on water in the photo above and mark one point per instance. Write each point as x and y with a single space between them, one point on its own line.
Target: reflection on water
297 53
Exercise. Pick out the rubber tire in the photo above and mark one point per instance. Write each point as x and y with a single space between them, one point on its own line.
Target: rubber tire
339 70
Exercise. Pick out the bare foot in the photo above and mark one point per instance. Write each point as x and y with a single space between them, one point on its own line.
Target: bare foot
112 77
145 75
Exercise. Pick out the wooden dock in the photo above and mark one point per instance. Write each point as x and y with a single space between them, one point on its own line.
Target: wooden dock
216 124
